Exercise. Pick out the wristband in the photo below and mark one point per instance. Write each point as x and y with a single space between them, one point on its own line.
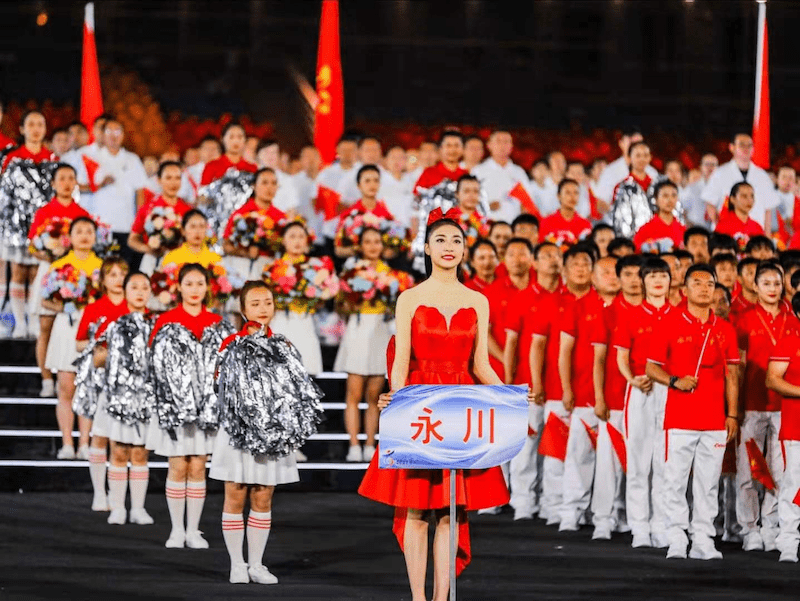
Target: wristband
672 381
736 417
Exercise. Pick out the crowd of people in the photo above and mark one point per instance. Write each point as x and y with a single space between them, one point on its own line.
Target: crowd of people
652 315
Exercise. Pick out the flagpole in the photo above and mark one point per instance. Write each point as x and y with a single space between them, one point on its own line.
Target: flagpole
453 535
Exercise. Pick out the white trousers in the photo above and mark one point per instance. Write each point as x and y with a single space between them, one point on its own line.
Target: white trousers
763 427
699 453
578 465
608 493
525 471
552 469
788 510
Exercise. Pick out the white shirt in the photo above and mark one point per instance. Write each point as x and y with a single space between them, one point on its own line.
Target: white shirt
115 204
545 197
286 197
90 151
614 173
722 180
497 181
341 180
694 204
398 195
190 182
786 205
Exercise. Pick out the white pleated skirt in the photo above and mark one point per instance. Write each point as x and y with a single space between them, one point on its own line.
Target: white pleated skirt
17 254
110 427
148 264
363 347
299 330
61 350
35 294
232 465
191 440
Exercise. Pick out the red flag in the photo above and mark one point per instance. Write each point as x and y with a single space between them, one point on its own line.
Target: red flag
797 498
91 170
761 109
521 194
554 438
758 465
327 202
91 97
531 431
782 234
592 434
594 209
618 442
329 114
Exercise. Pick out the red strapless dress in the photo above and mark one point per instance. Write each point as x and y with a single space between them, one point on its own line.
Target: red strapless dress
442 354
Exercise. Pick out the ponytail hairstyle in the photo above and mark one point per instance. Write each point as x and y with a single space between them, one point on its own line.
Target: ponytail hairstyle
734 191
248 287
189 268
430 231
258 174
108 264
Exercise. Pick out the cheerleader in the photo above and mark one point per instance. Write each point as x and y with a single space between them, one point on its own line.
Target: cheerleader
20 205
482 264
122 413
94 321
248 456
296 323
194 250
736 222
62 350
362 351
184 428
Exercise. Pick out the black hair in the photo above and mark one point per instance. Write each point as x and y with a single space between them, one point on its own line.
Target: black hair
348 137
654 264
620 242
635 145
729 258
294 223
737 134
189 268
789 256
231 124
450 133
478 138
210 138
82 219
791 266
600 227
369 229
632 131
681 253
429 232
263 170
496 224
108 264
700 268
769 266
735 190
61 166
747 261
77 124
580 249
132 274
163 166
266 143
192 213
248 287
30 112
795 280
565 182
628 261
696 230
661 185
539 162
518 240
366 169
467 177
722 241
525 219
759 243
796 303
724 288
481 242
541 246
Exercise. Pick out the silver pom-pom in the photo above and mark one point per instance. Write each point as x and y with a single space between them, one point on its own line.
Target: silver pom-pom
224 196
88 378
129 391
209 344
269 405
25 187
634 206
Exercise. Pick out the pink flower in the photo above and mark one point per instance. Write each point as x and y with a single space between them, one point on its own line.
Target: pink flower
311 291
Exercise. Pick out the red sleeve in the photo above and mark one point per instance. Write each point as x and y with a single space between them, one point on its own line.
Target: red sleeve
515 317
659 342
640 237
208 174
88 318
742 332
424 181
786 350
730 347
160 322
541 327
38 218
141 216
600 327
621 335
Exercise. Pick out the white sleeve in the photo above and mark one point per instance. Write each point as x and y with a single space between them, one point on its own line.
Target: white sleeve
712 193
605 185
287 197
138 174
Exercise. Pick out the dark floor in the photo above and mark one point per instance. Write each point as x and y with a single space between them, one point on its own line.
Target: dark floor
339 546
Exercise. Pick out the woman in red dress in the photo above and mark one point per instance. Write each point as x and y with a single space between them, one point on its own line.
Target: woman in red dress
440 313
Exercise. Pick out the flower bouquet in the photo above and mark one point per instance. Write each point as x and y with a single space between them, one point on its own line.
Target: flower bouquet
474 227
221 286
163 229
305 285
164 284
255 229
104 243
52 237
71 286
395 235
373 285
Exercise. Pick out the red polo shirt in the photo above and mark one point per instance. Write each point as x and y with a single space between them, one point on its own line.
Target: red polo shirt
555 228
789 351
103 307
634 331
739 306
677 345
583 320
615 383
218 167
656 236
196 325
477 284
251 207
552 309
500 293
433 176
759 333
742 231
181 207
22 153
55 210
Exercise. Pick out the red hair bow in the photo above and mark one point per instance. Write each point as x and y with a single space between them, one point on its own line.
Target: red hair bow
437 215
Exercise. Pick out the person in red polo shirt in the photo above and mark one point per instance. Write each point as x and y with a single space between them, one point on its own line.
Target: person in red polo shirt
368 179
663 233
565 227
482 264
783 378
736 221
523 314
608 492
644 408
545 377
694 353
747 297
760 330
169 178
581 326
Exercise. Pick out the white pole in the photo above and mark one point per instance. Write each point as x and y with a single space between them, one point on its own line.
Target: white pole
762 17
453 535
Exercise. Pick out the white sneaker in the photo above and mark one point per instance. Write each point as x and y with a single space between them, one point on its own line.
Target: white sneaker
769 539
753 542
354 454
299 456
568 526
100 503
553 520
66 452
20 330
195 540
703 548
678 545
522 514
83 452
239 574
641 541
369 451
117 516
48 390
490 511
788 556
659 540
141 517
262 575
601 533
176 540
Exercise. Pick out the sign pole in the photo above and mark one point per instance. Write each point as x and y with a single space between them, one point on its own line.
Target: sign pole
453 535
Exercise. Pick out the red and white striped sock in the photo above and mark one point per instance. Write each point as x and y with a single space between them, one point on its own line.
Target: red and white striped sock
117 486
16 292
258 527
139 477
97 471
195 498
176 503
233 533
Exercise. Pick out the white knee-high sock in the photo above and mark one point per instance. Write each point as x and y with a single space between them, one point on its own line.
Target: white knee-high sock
258 527
176 503
97 471
117 486
17 294
139 477
195 498
233 533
